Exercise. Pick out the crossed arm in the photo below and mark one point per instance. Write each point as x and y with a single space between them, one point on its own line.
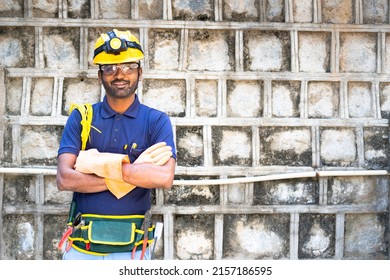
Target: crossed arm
144 174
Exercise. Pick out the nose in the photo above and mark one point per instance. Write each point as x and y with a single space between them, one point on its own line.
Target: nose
119 72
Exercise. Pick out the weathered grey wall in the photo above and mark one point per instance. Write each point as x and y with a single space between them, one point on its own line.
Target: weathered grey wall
253 87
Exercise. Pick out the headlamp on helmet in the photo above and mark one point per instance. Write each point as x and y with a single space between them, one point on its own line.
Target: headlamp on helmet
117 47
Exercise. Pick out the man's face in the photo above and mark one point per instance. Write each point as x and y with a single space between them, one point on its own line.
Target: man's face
120 80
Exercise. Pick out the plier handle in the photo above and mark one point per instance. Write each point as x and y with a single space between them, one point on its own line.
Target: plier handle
145 227
76 224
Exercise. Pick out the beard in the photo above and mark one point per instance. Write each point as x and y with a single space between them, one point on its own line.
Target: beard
120 89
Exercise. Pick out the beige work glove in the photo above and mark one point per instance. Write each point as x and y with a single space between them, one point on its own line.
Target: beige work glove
157 154
109 165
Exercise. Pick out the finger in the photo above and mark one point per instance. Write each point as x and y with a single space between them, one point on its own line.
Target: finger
160 150
163 158
154 147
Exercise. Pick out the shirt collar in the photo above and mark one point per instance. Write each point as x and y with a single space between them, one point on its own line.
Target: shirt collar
131 112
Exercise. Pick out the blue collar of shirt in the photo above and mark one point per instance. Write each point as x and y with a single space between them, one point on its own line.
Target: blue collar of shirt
131 112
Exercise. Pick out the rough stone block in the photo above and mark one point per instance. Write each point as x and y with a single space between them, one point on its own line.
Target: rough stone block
246 10
376 147
286 99
323 99
8 145
79 8
165 95
244 99
53 227
232 146
194 237
107 10
190 146
61 48
256 236
164 48
385 100
286 192
303 10
266 51
337 11
314 52
236 194
366 236
19 190
204 44
375 12
206 98
316 236
52 195
13 99
41 96
151 9
338 147
40 144
193 10
360 103
44 9
11 8
21 245
182 195
358 191
285 146
275 10
17 46
89 88
358 52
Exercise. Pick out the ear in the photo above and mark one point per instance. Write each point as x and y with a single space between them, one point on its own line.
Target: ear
100 76
139 74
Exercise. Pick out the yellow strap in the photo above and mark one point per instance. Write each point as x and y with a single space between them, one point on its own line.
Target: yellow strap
86 121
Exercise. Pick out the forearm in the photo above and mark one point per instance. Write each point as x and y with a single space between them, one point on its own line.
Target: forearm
68 179
147 175
79 182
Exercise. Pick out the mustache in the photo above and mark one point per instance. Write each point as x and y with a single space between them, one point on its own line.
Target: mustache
120 80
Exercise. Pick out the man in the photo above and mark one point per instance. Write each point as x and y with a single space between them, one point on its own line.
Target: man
104 206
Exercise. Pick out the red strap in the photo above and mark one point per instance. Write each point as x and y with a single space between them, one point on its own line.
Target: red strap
65 237
133 252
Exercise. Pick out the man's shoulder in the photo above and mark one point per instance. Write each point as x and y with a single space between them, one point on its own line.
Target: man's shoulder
151 111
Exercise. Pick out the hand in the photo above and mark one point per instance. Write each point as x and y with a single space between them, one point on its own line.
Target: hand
157 154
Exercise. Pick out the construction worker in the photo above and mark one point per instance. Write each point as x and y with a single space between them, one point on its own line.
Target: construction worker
111 154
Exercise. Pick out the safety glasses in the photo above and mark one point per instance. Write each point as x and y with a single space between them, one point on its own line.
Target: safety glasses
111 69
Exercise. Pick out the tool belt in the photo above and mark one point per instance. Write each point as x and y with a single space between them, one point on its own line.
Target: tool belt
102 234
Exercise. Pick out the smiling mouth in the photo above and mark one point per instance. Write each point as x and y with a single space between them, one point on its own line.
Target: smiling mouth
121 84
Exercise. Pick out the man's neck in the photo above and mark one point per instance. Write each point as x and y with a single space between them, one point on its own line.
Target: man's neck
120 105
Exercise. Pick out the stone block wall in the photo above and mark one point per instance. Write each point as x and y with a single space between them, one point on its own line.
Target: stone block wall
280 110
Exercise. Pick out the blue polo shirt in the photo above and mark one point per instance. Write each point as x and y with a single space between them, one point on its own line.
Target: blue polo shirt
117 133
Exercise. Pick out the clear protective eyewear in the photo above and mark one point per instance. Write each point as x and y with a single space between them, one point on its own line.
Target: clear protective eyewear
111 69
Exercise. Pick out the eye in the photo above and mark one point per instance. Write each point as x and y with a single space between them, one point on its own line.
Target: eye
109 68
